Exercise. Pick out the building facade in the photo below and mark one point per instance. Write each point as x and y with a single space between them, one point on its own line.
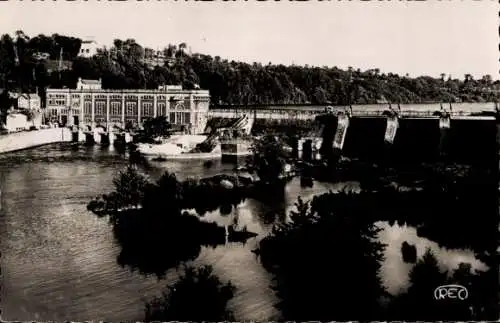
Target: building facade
94 107
88 48
16 122
29 101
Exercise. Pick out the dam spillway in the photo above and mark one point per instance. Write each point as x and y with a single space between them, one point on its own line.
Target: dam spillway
422 140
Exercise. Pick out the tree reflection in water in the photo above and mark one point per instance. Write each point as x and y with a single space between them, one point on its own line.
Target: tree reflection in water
326 260
150 225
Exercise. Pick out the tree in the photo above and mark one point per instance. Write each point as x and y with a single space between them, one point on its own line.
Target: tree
130 186
322 259
228 82
425 277
155 127
6 102
198 296
268 159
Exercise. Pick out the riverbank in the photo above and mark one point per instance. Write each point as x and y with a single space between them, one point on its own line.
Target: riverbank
30 139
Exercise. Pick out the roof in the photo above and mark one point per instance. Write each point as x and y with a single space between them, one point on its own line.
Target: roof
89 81
17 95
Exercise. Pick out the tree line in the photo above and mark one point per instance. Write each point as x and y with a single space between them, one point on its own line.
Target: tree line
128 65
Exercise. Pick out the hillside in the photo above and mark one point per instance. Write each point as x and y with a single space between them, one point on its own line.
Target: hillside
128 65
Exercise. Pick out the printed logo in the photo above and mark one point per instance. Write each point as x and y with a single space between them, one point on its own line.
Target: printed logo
451 292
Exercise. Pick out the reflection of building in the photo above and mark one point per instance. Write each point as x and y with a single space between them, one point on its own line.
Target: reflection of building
90 105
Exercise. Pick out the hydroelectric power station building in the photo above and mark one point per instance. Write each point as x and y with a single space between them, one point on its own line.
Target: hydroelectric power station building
90 105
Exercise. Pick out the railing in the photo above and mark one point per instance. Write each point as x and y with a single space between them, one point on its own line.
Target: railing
486 111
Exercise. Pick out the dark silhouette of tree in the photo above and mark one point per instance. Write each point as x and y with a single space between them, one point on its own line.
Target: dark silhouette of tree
326 263
198 296
418 303
130 186
153 128
230 82
149 223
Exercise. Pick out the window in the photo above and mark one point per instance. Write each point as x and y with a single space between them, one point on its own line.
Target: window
115 108
179 117
187 117
162 109
87 108
179 106
88 51
100 108
131 108
172 117
147 109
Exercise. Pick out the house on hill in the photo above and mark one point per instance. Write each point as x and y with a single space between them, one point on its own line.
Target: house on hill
29 101
88 48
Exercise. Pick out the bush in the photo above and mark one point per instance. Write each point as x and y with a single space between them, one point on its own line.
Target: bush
198 296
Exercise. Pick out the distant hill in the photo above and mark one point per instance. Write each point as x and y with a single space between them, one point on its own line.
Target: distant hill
128 65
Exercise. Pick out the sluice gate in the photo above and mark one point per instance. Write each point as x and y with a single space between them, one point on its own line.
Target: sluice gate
398 136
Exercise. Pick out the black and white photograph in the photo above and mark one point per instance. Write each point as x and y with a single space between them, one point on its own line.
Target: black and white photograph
249 160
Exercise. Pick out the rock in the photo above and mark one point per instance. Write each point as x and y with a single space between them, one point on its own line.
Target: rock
408 252
226 184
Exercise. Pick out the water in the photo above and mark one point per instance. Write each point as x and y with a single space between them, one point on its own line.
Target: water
59 260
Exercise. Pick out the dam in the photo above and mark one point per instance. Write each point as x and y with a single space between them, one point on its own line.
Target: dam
463 132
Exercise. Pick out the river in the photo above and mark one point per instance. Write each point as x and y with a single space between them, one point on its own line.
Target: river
59 260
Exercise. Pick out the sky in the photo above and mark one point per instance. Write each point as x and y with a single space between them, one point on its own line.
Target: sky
414 37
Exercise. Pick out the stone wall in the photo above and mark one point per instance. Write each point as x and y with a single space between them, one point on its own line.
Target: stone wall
29 139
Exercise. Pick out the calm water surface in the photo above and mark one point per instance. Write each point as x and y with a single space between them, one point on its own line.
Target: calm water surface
59 260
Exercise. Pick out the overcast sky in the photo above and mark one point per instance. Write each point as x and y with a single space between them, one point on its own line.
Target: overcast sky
418 38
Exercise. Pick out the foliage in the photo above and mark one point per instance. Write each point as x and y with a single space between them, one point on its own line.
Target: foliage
160 226
313 258
130 186
442 205
198 296
127 65
426 276
268 159
153 128
6 102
